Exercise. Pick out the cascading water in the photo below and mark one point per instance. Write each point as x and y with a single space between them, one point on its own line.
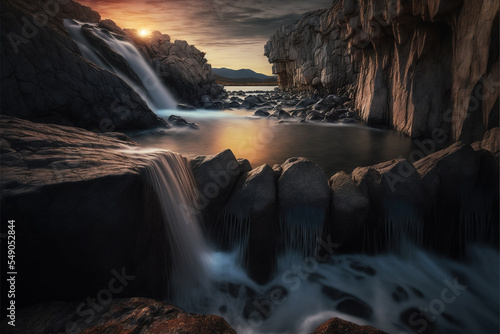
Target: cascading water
422 293
152 90
172 180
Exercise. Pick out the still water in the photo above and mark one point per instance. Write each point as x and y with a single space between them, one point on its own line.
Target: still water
334 147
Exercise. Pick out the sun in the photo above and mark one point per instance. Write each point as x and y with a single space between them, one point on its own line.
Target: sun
143 33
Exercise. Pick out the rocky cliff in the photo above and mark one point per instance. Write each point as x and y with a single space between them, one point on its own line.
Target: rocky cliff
182 67
44 77
420 66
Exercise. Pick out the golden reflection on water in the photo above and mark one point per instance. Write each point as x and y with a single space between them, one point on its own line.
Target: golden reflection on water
333 147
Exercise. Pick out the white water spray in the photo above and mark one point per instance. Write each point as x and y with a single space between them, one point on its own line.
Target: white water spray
153 90
171 178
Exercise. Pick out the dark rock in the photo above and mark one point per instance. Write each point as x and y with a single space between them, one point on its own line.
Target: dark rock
303 202
350 208
215 178
305 103
400 295
117 316
233 104
181 122
355 307
252 204
84 194
314 116
182 106
245 165
46 80
111 26
339 326
261 112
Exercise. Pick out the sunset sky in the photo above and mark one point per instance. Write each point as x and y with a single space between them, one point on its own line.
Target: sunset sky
232 33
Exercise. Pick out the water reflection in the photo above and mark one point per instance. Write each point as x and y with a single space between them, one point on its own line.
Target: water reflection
334 147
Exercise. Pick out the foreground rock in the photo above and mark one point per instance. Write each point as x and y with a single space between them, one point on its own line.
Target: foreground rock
339 326
73 193
135 315
45 79
251 209
411 65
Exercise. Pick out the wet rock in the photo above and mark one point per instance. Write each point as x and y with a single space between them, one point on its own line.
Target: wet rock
181 122
400 295
339 326
350 208
261 112
48 81
252 204
183 106
215 178
68 177
118 316
305 103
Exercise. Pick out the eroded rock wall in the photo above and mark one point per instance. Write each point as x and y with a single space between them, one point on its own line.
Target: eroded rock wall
311 54
420 65
44 78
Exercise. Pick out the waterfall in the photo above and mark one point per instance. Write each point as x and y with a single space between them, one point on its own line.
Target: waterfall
171 178
150 87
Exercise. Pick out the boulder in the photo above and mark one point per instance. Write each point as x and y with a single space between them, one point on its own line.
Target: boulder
82 207
339 326
181 122
305 103
462 184
215 177
115 316
303 202
252 205
261 112
349 210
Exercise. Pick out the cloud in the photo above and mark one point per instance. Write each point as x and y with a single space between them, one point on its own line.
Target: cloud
215 26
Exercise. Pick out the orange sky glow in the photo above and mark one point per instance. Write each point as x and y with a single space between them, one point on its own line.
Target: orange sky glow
231 32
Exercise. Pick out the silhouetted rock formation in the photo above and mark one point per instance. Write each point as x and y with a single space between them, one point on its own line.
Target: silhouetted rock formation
420 65
82 209
45 79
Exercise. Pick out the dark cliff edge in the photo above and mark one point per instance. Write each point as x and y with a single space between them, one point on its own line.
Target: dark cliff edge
44 77
420 66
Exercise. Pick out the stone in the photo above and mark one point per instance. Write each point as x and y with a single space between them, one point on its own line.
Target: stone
339 326
261 112
349 210
118 316
84 193
447 82
303 203
48 81
253 203
215 177
181 122
305 103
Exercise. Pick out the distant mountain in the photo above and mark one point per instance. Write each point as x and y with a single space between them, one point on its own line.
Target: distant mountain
240 74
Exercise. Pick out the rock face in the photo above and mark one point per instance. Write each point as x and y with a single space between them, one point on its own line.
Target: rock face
135 315
311 54
417 68
45 79
182 67
73 193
